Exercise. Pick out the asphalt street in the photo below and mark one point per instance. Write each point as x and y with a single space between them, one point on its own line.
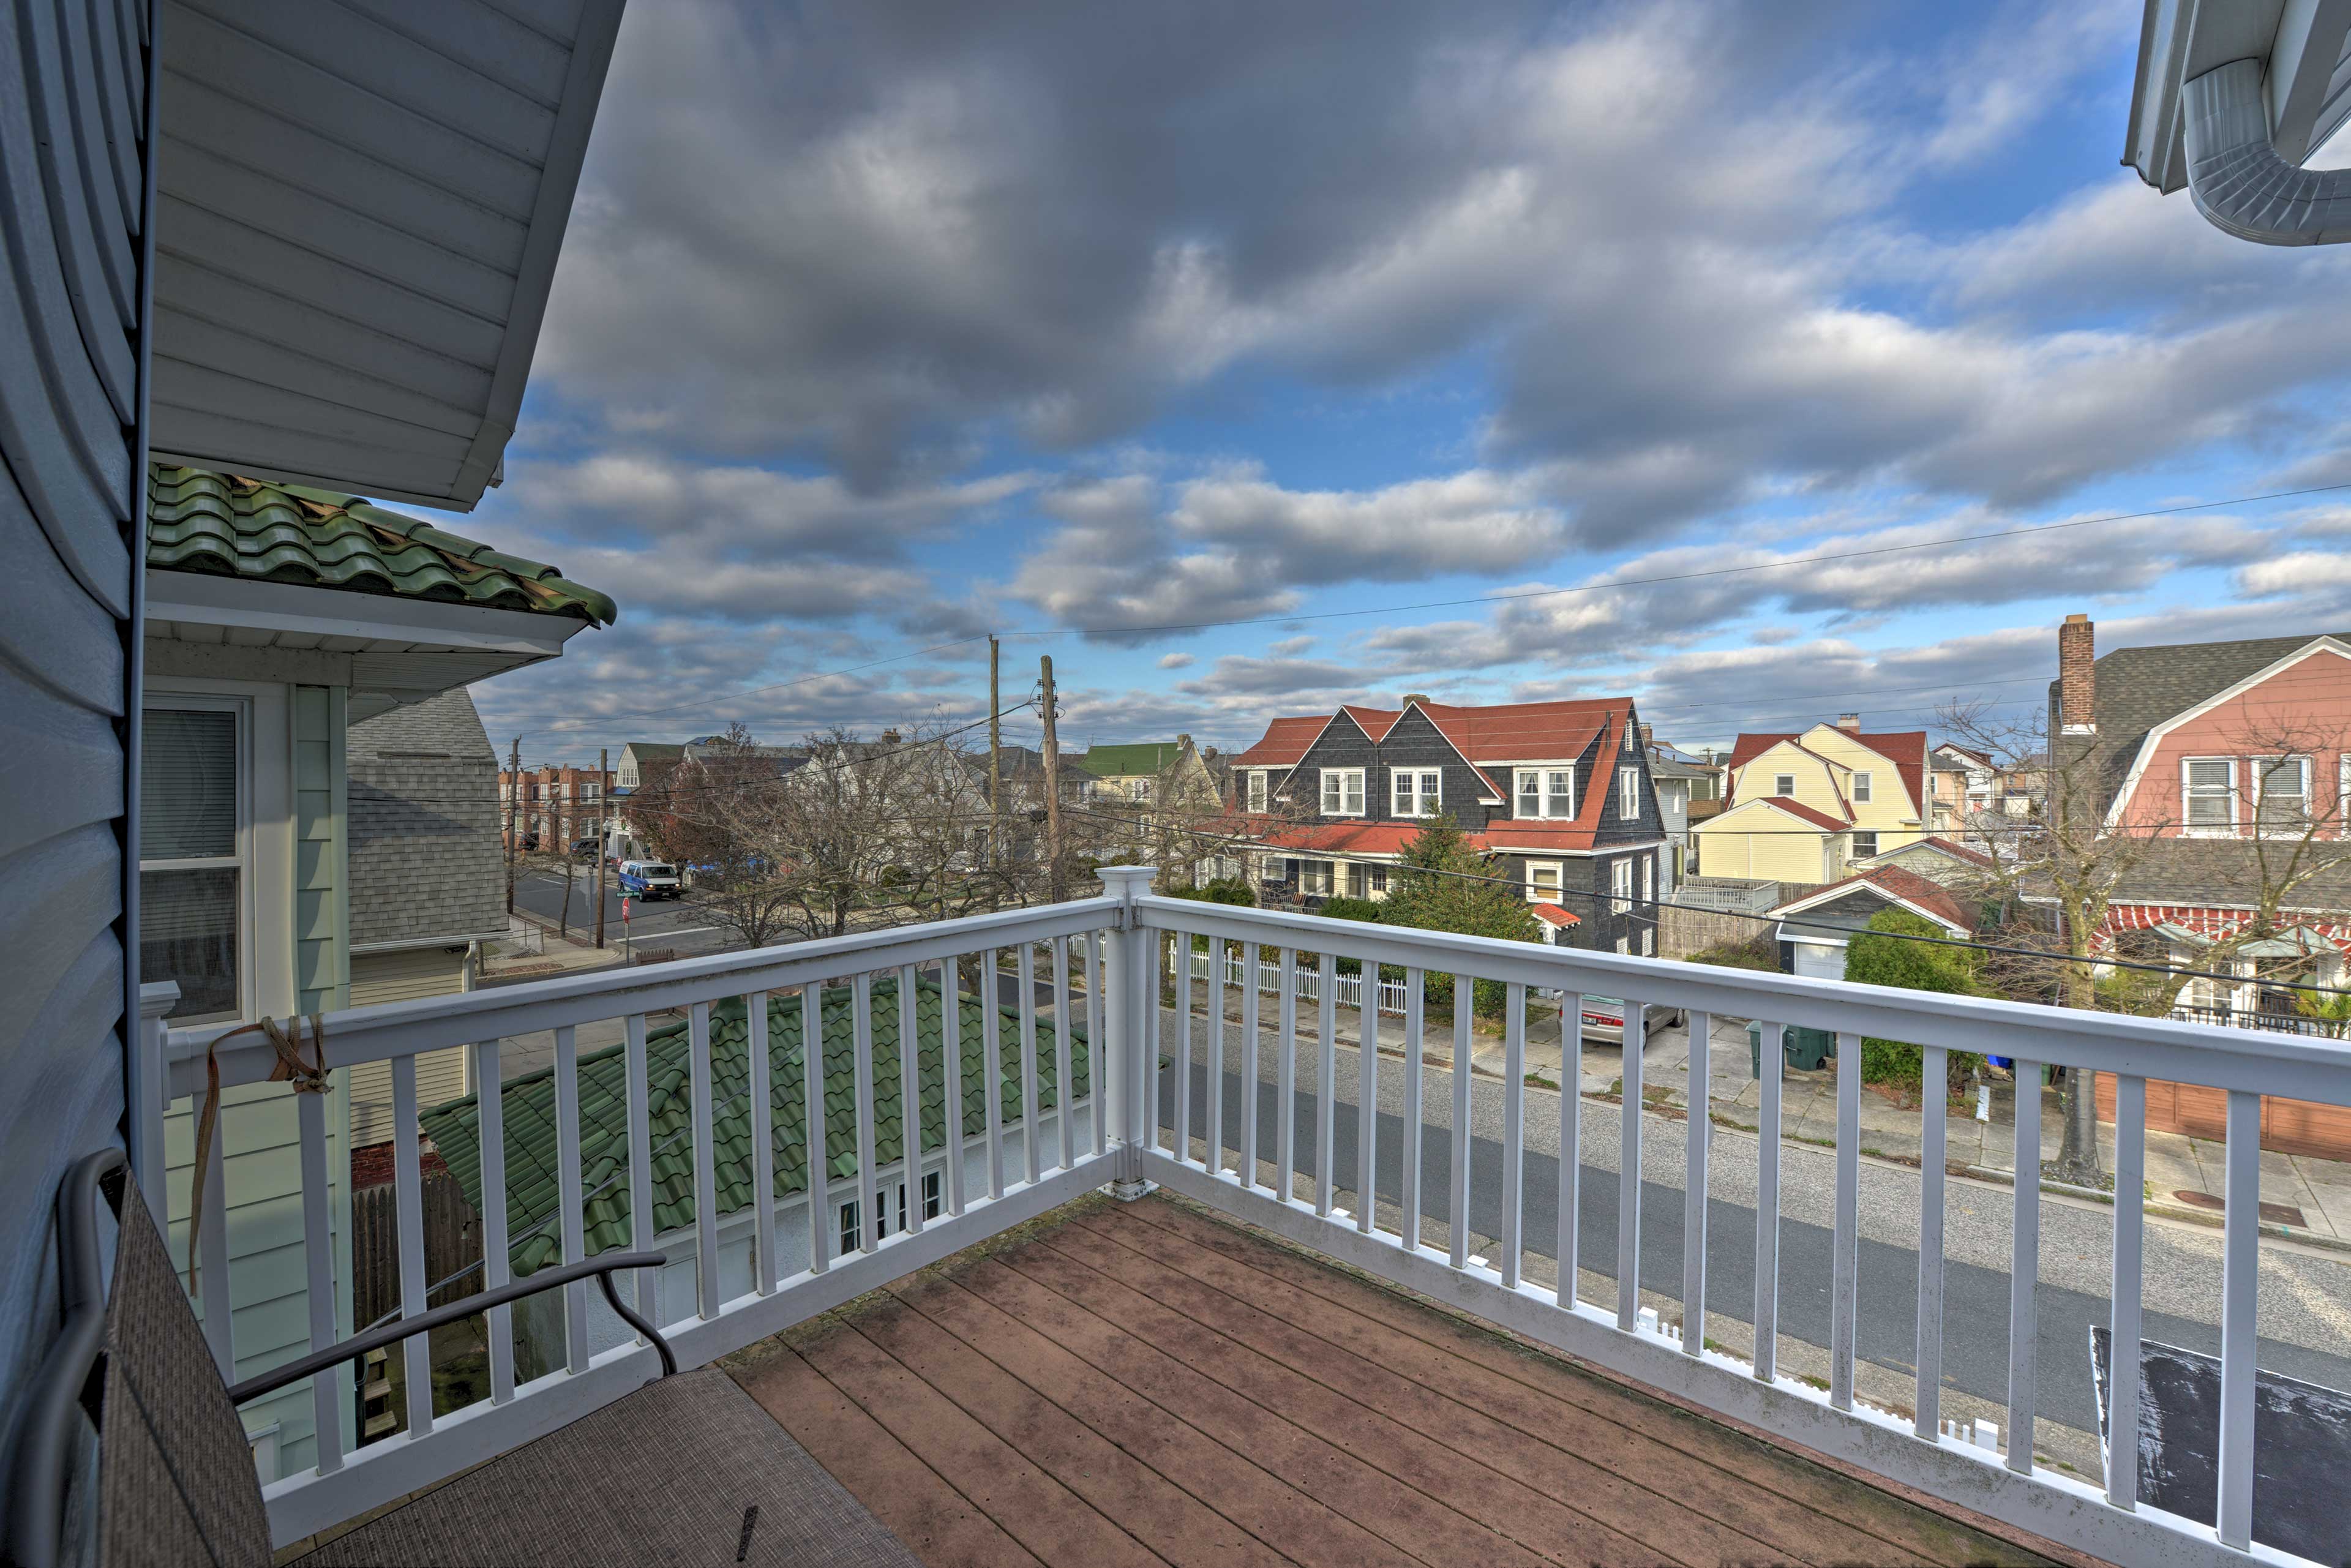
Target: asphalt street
1976 1294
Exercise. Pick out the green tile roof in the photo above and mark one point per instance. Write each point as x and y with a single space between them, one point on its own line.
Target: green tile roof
236 526
1134 758
532 1196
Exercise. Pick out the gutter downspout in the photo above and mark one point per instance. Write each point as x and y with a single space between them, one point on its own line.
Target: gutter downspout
2239 181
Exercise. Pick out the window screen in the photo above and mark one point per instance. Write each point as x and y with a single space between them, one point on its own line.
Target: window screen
2210 788
187 790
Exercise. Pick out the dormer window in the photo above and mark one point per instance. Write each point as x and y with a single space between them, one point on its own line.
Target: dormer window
1418 791
1343 791
1546 792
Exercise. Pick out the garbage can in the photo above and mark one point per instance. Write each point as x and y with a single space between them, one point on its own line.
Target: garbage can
1807 1050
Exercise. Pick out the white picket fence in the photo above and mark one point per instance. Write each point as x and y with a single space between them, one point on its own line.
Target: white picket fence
1309 981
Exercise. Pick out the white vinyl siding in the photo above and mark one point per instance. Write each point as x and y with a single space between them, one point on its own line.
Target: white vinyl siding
1343 791
401 976
2207 792
1546 792
1418 792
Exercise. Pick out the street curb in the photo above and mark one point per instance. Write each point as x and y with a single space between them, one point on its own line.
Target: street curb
2172 1211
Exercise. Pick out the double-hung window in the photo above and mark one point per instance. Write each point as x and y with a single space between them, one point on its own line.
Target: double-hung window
1343 791
2208 788
1419 791
192 853
1861 789
1864 844
1620 884
1257 791
1546 792
1628 792
2281 794
1783 784
1543 882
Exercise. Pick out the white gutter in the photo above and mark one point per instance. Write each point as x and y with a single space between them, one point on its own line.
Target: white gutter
2238 179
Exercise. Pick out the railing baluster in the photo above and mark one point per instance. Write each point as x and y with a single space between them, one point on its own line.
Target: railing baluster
1152 1050
951 1063
408 1196
1463 987
489 1098
1214 1082
211 1266
2024 1268
1063 1092
1326 1096
869 1213
1367 1098
1844 1286
572 1220
1032 1159
1571 1145
1693 1182
319 1255
1249 1074
2123 1341
642 1220
1628 1166
1934 1093
1285 1131
1097 1090
706 1183
910 1098
1182 1067
763 1143
812 1120
1412 1089
2240 1262
991 1040
1772 1067
1514 1130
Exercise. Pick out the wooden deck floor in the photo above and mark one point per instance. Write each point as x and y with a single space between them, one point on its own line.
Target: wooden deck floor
1141 1383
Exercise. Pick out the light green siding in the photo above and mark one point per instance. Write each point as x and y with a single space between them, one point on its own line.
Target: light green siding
321 899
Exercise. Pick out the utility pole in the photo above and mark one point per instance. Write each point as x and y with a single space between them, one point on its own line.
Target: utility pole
995 769
1056 875
514 799
603 830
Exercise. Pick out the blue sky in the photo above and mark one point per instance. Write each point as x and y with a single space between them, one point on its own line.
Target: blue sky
882 326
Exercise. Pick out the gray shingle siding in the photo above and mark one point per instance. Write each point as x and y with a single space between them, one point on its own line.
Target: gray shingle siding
425 850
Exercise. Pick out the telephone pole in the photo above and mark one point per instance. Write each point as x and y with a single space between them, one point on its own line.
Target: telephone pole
1057 873
603 830
995 769
514 799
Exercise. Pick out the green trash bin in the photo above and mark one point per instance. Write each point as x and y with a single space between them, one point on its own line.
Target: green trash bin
1808 1050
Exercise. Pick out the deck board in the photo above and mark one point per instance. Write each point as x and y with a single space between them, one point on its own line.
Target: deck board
1147 1384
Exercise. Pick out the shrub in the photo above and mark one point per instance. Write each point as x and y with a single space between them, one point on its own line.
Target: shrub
1757 954
1232 890
1888 954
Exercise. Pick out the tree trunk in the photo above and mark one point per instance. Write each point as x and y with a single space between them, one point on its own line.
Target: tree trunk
2077 1156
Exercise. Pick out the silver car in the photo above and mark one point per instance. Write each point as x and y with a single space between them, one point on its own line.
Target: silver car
1604 1020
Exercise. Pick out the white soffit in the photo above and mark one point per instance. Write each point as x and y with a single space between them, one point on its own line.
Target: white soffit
2305 48
358 208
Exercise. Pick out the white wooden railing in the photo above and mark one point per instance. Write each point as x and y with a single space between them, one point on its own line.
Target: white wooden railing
1110 960
1283 1194
1030 1165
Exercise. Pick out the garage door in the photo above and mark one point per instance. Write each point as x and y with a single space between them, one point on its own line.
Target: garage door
1818 960
2288 1126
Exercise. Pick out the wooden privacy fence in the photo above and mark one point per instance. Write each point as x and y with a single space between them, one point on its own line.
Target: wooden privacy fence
452 1238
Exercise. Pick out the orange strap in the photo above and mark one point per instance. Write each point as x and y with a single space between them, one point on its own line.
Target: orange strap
307 1076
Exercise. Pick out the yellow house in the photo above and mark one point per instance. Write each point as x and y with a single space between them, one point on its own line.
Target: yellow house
1802 807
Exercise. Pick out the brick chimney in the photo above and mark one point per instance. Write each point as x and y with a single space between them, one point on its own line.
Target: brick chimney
1850 723
1646 742
1416 699
2077 676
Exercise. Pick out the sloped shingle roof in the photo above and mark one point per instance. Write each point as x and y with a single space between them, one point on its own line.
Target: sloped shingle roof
1284 742
228 525
533 1195
1906 748
425 846
1128 759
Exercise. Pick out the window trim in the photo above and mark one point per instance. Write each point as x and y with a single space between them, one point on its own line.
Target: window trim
1543 796
1257 792
1558 870
1628 792
1620 884
1787 794
1853 849
2187 826
242 860
1325 776
1424 803
2258 772
1863 788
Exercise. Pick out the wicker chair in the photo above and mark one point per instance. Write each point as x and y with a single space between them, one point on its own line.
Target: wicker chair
686 1469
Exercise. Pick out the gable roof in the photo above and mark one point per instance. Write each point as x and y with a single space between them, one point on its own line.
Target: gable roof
1906 748
423 802
1808 815
1284 742
532 1195
1129 759
1907 889
230 526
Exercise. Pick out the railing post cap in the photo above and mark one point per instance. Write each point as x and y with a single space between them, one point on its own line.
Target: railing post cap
1126 880
158 998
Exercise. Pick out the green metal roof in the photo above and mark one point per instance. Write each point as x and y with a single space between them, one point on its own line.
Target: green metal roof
234 527
1131 758
533 1195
